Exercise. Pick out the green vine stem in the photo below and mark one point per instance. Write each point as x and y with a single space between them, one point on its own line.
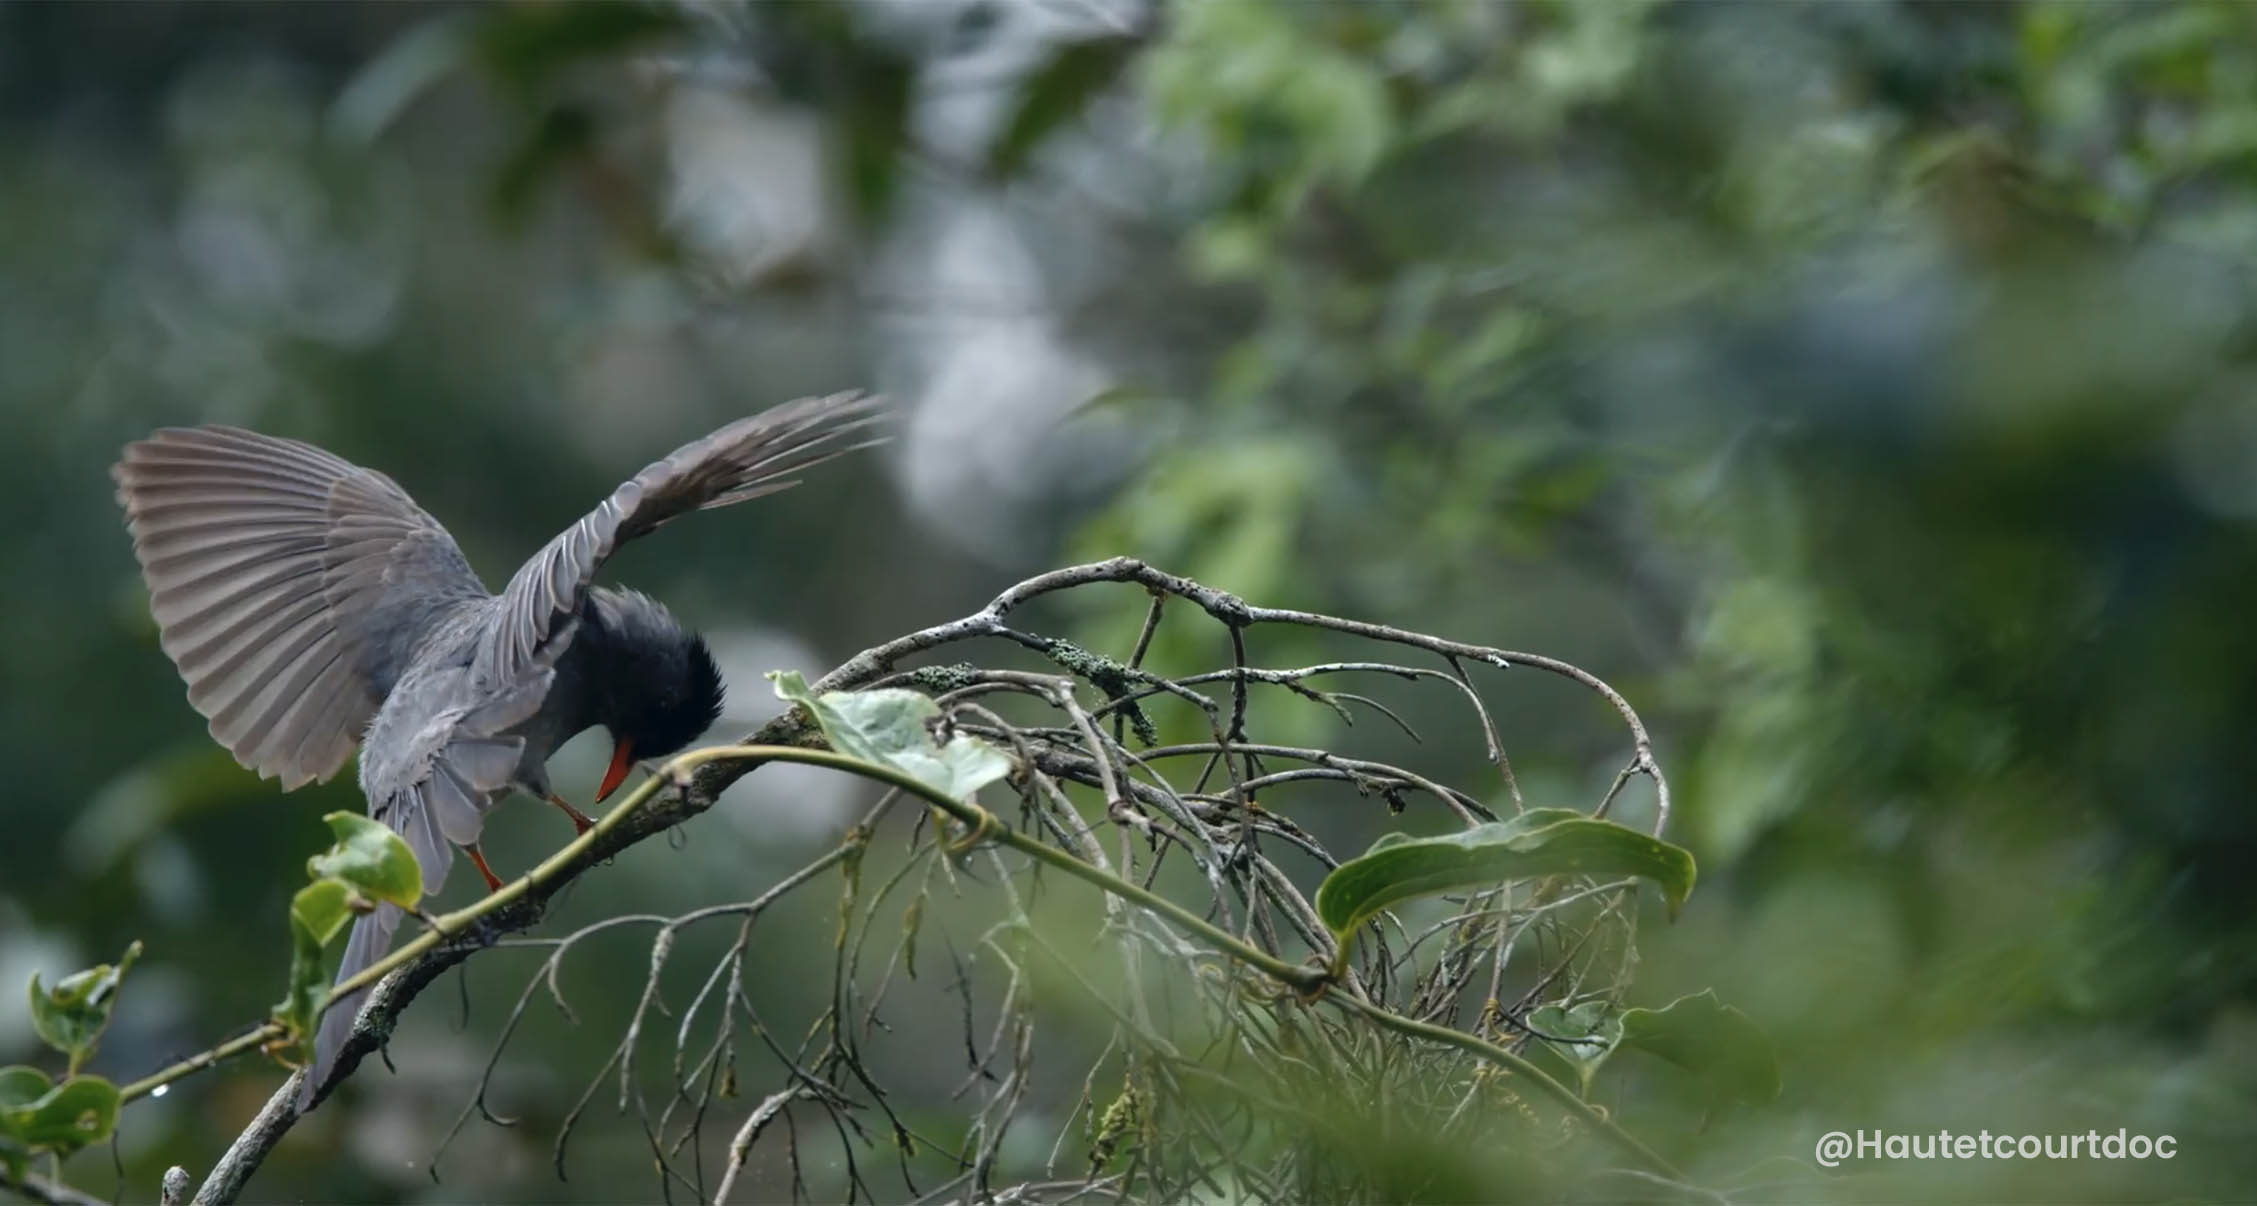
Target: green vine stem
983 826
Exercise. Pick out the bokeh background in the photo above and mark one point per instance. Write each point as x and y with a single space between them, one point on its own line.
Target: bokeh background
1868 389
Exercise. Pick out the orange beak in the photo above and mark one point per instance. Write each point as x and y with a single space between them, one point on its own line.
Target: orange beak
622 758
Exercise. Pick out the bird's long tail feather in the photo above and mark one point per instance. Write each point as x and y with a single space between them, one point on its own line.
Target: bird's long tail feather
370 940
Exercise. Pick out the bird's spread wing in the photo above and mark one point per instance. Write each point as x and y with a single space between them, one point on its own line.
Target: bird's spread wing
748 458
288 586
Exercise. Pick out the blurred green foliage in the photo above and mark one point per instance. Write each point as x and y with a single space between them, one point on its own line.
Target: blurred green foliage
1862 374
1866 389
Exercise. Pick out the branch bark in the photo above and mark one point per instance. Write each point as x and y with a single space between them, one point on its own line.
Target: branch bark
34 1188
667 802
392 994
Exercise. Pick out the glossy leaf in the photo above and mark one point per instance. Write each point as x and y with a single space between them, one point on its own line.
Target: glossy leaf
1713 1041
71 1016
81 1110
890 726
1542 841
324 907
22 1085
371 859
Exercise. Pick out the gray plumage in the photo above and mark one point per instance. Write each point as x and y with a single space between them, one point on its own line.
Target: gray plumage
311 606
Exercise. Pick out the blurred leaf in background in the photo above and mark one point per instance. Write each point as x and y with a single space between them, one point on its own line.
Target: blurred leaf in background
1866 389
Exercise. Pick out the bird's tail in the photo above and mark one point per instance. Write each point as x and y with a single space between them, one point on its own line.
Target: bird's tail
370 940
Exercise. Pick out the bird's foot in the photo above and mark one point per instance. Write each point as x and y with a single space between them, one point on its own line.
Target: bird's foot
581 822
478 859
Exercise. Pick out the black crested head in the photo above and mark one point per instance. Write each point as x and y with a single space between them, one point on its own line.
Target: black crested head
657 685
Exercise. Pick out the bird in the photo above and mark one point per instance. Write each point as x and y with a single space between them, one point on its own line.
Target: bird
313 608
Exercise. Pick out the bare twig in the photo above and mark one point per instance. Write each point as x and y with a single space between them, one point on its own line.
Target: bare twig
35 1188
1285 1031
740 1147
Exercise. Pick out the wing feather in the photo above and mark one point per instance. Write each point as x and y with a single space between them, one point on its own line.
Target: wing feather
327 734
485 763
453 804
750 457
435 791
284 581
433 853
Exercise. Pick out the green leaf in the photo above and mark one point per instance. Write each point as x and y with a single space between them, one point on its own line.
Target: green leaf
889 727
1708 1038
1593 1028
81 1110
19 1085
369 862
323 907
1541 841
71 1016
1713 1041
22 1085
309 974
1055 93
371 859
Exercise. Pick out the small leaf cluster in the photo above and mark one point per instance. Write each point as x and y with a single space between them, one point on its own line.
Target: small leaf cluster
1715 1042
39 1114
368 866
893 727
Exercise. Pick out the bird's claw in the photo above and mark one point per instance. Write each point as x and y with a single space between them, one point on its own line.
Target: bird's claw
581 822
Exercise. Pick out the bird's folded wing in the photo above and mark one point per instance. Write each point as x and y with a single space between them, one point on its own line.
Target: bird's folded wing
433 795
435 791
288 586
748 458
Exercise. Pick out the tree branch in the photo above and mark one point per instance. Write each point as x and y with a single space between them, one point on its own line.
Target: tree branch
691 783
32 1187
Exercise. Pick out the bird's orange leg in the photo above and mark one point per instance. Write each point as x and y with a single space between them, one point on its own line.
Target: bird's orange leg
581 822
493 881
